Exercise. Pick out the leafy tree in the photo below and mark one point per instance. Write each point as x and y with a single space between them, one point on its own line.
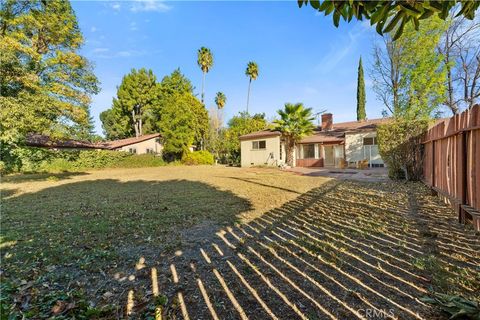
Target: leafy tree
361 100
205 62
115 124
220 100
295 122
241 124
391 15
408 74
39 43
137 94
176 122
252 73
45 85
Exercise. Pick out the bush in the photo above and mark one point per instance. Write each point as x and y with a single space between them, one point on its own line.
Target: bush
399 145
140 161
97 159
198 157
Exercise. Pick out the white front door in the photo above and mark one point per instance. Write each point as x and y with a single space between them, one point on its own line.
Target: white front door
329 156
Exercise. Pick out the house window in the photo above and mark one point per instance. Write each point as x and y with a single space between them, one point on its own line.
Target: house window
308 151
280 151
370 141
132 150
259 145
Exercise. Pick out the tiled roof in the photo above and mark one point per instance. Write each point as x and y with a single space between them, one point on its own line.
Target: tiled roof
128 141
40 140
260 134
337 134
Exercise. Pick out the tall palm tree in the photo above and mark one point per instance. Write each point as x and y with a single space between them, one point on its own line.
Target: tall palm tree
205 62
295 123
252 73
220 100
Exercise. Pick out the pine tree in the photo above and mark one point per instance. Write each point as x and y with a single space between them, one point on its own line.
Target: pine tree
361 100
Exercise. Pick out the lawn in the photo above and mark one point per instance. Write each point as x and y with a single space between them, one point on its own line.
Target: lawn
228 243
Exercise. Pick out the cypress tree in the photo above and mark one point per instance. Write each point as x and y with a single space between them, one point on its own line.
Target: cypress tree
361 100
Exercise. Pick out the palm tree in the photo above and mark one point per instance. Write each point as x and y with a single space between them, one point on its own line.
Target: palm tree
205 62
220 100
295 122
252 73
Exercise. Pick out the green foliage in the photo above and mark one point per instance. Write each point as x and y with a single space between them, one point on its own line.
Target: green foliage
295 122
177 124
140 161
399 145
168 107
239 125
408 74
198 158
136 97
391 15
252 73
45 85
220 100
361 98
456 306
205 62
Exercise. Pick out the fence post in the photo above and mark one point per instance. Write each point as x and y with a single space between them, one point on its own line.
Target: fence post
463 176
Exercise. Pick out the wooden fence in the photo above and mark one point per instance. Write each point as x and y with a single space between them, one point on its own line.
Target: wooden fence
452 163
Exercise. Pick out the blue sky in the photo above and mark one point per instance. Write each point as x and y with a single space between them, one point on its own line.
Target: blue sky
302 57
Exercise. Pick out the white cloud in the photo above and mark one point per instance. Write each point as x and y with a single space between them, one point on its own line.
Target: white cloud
116 6
133 26
149 5
93 29
99 50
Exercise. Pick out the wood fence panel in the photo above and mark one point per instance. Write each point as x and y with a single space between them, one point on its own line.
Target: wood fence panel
452 162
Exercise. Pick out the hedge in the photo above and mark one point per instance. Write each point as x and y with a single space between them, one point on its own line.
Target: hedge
197 158
399 145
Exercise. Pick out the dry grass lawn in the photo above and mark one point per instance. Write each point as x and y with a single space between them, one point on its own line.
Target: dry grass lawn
228 243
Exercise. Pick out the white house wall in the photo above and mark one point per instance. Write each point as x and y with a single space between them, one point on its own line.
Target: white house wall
355 151
142 146
268 156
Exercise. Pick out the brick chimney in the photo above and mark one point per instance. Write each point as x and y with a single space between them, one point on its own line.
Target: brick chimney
327 122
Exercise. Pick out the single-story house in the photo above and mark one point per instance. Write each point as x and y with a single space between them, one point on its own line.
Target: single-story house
352 141
149 143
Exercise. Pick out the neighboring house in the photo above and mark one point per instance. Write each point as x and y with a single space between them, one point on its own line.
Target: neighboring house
351 141
149 143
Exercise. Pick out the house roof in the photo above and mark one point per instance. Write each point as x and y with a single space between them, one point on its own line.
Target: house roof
337 134
128 141
260 134
40 140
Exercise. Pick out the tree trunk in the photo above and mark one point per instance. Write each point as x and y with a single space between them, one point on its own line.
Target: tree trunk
135 123
140 126
290 148
248 94
203 86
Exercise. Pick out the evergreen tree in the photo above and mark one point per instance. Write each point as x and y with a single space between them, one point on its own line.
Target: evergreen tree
361 100
136 97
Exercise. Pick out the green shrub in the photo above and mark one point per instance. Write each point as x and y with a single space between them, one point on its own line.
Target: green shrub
97 159
197 158
399 145
140 161
58 165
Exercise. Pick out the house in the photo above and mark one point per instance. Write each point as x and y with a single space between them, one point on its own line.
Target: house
352 141
149 143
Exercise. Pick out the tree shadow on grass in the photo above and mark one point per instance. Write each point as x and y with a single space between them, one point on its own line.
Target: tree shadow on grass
29 177
75 237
